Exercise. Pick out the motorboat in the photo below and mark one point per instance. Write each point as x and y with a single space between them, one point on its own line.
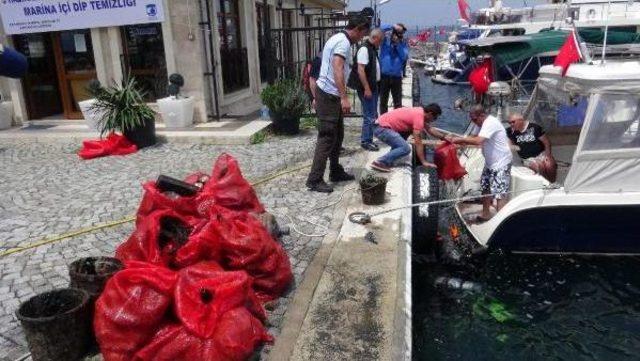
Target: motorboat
592 117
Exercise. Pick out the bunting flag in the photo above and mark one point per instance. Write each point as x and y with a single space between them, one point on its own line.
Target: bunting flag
443 30
569 53
464 10
424 36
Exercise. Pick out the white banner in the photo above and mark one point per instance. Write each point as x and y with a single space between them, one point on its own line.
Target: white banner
35 16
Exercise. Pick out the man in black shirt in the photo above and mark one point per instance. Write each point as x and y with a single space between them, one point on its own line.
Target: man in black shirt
534 146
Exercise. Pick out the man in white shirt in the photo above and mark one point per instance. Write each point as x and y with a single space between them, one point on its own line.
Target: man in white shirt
364 78
332 102
496 176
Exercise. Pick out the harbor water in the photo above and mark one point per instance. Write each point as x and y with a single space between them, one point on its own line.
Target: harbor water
515 307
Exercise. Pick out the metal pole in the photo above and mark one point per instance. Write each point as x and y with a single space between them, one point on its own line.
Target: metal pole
606 33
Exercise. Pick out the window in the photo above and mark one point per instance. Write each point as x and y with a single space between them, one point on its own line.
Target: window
235 66
264 26
614 123
145 59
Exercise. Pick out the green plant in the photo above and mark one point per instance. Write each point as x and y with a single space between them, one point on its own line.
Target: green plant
285 98
309 123
258 137
122 107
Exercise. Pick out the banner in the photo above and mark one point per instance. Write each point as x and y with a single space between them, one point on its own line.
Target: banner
35 16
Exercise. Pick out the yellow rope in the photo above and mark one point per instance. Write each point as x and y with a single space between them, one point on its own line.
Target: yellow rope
128 219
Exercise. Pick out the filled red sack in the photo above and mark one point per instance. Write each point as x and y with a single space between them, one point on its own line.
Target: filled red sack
132 308
219 318
247 245
158 239
153 199
446 158
114 144
228 188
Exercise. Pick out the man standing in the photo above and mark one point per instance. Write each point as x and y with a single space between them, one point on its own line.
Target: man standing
364 78
395 126
394 53
332 102
533 146
496 176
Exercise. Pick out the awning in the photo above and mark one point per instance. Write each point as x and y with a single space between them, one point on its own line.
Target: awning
614 37
512 49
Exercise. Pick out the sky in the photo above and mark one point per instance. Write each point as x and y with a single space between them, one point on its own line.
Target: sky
429 12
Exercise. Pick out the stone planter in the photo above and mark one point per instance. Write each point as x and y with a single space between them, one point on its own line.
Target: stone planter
6 115
177 113
90 116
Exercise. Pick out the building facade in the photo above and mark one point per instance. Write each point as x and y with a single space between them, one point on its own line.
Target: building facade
220 47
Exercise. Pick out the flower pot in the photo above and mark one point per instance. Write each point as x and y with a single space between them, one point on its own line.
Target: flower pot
177 112
91 116
92 273
6 115
373 192
143 136
284 124
57 324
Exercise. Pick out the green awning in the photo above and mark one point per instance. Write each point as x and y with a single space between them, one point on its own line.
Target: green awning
614 37
506 51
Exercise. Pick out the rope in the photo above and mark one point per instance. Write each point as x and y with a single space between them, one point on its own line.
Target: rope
365 218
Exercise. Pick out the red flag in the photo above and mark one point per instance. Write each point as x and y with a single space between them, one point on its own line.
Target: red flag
443 31
480 78
569 53
464 10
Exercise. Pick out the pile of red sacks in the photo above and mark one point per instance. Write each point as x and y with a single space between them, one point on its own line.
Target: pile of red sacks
195 292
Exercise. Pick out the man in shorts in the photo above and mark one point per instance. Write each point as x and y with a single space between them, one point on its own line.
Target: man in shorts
496 176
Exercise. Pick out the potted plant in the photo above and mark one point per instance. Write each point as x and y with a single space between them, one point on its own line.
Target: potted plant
91 117
122 108
287 101
176 110
6 113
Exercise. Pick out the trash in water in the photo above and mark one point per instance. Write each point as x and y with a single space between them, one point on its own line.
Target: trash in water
492 308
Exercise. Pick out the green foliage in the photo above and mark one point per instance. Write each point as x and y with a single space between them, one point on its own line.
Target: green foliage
258 137
309 123
122 107
285 99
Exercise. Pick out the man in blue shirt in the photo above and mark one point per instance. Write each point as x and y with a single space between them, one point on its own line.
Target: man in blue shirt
332 102
394 54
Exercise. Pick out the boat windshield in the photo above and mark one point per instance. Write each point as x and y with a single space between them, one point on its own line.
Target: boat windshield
613 123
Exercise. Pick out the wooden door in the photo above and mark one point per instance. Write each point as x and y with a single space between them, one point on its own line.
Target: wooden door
40 84
75 66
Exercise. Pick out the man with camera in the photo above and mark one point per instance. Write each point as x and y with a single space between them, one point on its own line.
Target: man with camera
394 53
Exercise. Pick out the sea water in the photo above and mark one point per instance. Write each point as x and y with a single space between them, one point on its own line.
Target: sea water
519 307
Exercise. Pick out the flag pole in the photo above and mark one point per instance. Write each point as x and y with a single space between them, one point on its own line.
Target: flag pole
606 33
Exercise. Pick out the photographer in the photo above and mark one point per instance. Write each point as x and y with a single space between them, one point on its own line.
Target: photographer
394 54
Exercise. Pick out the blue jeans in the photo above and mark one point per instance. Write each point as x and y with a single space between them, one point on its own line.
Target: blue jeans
399 147
369 115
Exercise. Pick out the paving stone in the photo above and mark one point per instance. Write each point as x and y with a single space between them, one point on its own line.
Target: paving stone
52 191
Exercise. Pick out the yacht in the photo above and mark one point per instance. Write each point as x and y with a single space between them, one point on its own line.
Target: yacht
592 117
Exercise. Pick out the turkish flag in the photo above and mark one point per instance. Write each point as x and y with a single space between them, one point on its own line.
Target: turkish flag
464 10
480 78
569 53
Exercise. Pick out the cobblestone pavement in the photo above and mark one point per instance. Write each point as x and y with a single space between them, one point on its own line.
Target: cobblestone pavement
47 190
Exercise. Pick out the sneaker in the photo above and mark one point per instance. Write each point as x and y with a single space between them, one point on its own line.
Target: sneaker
370 147
341 177
380 167
320 187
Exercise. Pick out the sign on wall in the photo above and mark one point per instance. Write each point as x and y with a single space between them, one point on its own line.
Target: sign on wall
35 16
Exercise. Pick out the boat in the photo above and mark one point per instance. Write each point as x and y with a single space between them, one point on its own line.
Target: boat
592 118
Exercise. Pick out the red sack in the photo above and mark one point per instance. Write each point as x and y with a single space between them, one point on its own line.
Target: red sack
203 245
132 308
219 318
228 188
247 245
149 244
153 199
114 144
446 158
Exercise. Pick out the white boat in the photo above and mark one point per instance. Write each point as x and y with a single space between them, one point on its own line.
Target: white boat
592 118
